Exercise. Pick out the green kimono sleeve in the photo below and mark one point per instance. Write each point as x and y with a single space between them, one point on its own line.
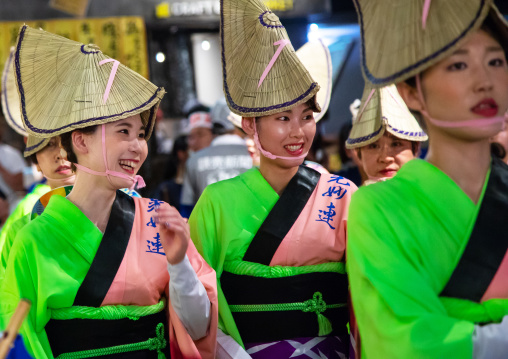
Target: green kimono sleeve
394 292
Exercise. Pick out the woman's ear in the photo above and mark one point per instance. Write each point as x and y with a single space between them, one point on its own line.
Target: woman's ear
79 142
410 96
248 124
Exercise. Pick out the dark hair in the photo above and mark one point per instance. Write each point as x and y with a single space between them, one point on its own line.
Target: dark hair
66 141
497 150
33 158
344 132
179 145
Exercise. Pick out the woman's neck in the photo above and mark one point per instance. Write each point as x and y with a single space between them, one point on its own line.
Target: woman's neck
92 195
278 177
466 163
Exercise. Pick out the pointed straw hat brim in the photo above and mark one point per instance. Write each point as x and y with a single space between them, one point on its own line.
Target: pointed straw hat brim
10 97
35 144
395 46
315 56
384 111
62 86
249 31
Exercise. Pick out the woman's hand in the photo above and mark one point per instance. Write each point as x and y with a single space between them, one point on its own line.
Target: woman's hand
174 232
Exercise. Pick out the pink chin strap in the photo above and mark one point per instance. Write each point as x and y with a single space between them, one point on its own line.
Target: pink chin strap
479 122
136 180
271 155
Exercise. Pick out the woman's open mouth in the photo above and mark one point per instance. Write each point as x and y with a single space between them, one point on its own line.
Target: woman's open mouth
127 165
486 108
294 149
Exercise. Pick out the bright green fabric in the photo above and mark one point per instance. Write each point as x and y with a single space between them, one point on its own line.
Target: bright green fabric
60 244
23 208
260 270
225 219
405 237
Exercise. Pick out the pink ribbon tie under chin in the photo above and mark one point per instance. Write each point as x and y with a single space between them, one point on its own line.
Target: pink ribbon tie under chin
476 123
136 180
271 155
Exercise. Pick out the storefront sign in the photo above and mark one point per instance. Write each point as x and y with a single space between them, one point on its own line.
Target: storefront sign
196 8
122 38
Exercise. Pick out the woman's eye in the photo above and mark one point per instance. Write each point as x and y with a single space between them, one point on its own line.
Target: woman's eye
396 144
126 131
283 118
457 66
372 146
309 117
497 62
141 135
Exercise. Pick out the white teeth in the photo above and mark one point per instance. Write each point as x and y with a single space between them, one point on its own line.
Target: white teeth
126 163
294 148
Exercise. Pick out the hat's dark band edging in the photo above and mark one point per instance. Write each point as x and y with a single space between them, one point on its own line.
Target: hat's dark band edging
87 52
265 24
226 88
393 77
9 118
88 120
28 149
352 141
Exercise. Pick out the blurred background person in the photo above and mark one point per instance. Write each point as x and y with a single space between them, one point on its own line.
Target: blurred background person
226 157
170 190
385 134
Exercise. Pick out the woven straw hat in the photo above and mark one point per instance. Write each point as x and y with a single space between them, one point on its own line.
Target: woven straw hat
261 73
63 86
11 108
315 56
35 144
10 97
400 39
380 110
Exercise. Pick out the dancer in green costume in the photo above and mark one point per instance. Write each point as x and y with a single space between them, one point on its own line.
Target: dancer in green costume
427 251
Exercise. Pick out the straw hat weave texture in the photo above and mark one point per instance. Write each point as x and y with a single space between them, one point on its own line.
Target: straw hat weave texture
11 108
62 86
248 33
10 97
385 110
395 44
316 57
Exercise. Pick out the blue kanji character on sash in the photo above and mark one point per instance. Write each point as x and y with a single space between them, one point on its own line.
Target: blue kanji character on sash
327 216
155 247
337 179
151 223
153 204
340 192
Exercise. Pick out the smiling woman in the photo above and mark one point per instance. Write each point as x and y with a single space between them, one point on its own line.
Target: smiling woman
275 234
99 253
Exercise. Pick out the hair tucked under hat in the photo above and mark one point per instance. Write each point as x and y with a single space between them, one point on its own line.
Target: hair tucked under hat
402 38
65 85
383 110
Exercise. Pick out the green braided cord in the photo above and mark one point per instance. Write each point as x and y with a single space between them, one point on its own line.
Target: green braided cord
157 343
108 312
261 270
316 305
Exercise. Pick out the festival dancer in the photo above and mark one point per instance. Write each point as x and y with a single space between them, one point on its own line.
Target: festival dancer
275 234
385 134
427 250
107 274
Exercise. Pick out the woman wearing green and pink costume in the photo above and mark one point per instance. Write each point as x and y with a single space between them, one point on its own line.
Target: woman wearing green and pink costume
427 253
276 234
97 264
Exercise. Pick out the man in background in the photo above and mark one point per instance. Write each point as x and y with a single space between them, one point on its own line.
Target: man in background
226 157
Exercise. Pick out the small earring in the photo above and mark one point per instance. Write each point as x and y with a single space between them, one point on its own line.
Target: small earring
63 152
